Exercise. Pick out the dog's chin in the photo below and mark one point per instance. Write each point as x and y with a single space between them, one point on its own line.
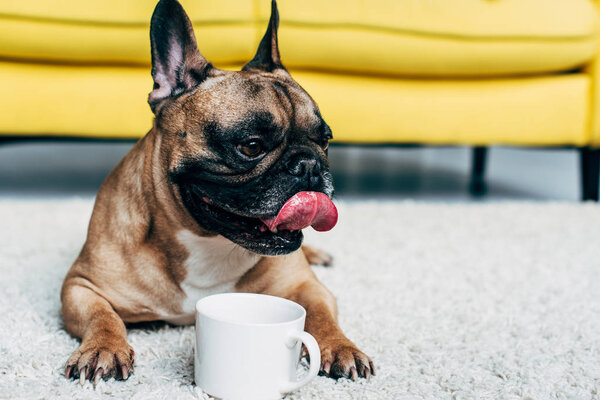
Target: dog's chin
247 231
271 244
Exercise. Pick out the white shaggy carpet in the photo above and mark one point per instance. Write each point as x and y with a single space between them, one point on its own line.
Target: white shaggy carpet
477 301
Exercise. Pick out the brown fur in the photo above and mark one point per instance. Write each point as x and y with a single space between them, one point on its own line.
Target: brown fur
133 264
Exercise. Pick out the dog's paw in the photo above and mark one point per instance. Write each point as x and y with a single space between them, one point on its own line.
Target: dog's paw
342 359
317 256
96 359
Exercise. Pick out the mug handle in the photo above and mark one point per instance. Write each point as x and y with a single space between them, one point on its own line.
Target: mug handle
315 359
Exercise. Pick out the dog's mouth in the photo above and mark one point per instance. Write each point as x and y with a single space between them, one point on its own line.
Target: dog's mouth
251 232
266 234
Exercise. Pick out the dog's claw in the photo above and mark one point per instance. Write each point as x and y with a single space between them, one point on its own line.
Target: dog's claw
327 367
353 374
372 368
68 371
124 372
366 373
82 376
98 376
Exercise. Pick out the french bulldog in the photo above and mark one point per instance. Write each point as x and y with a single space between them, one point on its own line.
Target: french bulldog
212 199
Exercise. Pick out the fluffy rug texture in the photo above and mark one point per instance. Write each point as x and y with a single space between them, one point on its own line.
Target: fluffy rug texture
461 301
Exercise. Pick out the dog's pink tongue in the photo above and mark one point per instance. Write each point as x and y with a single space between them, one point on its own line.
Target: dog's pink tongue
305 209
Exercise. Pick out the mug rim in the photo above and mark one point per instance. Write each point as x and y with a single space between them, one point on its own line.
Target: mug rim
278 299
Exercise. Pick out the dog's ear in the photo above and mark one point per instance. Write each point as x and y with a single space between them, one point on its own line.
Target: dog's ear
177 65
267 56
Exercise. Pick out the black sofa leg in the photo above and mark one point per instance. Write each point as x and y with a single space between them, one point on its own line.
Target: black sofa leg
477 187
590 173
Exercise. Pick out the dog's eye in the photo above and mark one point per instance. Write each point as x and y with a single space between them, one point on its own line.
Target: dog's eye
251 148
325 135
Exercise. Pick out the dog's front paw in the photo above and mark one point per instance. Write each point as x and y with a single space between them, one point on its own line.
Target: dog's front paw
98 358
342 359
317 256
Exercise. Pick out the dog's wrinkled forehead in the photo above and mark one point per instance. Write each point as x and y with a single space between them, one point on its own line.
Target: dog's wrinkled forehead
234 97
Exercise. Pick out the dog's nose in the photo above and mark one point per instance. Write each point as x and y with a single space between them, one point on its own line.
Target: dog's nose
307 169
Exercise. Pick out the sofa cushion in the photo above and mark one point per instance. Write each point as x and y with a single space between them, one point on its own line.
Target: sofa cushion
395 37
117 31
439 37
58 100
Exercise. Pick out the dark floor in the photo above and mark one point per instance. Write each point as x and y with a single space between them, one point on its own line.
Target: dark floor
431 174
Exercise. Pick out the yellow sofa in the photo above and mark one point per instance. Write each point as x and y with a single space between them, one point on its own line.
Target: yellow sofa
435 72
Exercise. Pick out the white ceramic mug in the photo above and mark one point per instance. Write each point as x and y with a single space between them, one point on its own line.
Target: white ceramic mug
248 346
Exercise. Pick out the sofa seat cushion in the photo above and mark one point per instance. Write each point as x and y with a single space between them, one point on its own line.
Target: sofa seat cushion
391 37
89 101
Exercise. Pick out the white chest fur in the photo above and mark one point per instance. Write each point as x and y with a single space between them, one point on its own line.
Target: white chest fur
214 265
